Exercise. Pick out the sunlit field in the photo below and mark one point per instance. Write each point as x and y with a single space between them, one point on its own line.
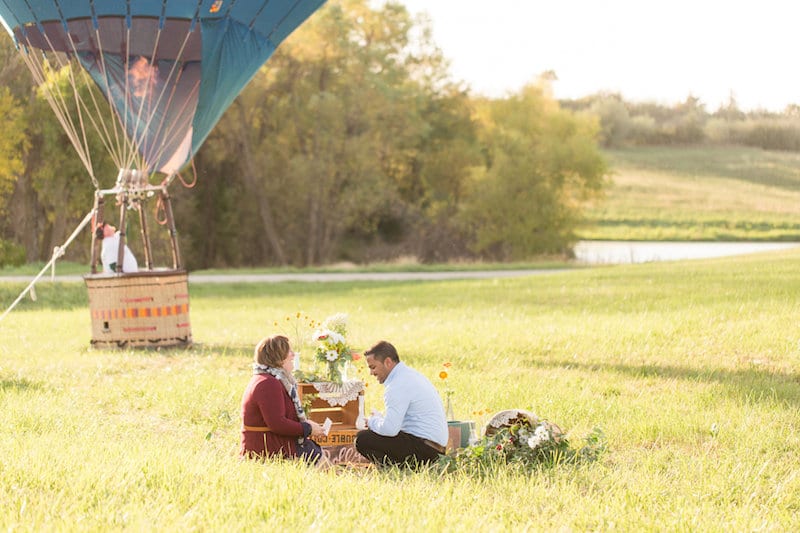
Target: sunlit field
690 369
707 193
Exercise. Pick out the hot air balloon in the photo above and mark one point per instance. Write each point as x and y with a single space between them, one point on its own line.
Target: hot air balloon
161 73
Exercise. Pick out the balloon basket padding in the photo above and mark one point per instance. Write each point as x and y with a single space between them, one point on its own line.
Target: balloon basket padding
140 310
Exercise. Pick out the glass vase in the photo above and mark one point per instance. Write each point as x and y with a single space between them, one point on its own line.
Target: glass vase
337 371
361 420
448 411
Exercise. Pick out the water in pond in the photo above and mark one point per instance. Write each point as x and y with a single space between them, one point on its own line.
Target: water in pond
616 252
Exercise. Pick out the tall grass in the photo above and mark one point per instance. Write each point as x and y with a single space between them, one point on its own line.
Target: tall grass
707 193
691 369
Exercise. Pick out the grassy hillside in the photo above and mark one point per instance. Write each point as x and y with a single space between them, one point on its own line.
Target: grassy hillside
708 193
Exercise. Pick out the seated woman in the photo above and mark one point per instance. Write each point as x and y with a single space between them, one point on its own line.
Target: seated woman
274 422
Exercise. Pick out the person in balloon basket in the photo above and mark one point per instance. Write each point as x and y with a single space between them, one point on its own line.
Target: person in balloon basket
110 251
273 420
414 430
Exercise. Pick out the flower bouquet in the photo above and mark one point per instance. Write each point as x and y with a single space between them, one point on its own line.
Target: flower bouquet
332 348
525 441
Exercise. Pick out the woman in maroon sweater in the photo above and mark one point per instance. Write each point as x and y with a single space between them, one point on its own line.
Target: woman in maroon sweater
274 422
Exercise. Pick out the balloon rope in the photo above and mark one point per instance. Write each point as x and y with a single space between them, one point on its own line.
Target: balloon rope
81 148
173 69
79 103
57 253
120 140
134 137
57 104
179 122
102 129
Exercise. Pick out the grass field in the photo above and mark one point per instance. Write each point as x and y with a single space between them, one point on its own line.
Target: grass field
705 193
691 370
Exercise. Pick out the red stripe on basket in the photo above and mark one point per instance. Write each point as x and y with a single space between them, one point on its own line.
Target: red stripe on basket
181 296
149 328
142 299
141 312
183 325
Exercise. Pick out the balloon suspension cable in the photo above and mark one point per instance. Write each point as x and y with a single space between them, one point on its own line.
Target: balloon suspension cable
58 251
167 181
160 211
194 174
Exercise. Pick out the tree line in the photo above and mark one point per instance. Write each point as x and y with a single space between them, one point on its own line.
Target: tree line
354 144
626 124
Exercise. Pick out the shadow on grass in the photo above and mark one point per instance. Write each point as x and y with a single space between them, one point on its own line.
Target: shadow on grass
222 350
19 385
752 384
196 348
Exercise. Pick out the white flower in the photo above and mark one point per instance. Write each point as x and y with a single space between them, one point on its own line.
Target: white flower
539 437
331 355
337 322
534 442
335 338
321 334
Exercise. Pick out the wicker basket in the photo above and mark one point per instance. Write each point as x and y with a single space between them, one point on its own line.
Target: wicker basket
145 309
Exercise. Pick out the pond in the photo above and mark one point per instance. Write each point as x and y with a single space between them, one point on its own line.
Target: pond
618 252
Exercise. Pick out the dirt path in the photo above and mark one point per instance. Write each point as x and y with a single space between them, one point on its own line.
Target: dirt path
328 277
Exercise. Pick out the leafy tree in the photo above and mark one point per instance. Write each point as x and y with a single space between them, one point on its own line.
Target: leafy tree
542 162
326 137
12 145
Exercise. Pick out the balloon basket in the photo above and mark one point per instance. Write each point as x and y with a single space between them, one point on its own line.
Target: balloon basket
139 310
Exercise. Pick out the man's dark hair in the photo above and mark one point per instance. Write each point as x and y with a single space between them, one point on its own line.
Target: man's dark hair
382 351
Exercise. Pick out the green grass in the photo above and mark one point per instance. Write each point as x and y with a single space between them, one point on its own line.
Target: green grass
656 355
707 193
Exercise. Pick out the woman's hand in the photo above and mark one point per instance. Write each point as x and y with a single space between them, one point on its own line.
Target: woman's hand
316 429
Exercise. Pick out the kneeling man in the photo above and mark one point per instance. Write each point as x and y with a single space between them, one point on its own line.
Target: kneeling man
414 430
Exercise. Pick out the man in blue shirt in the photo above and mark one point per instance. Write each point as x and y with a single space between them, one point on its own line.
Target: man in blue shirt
414 429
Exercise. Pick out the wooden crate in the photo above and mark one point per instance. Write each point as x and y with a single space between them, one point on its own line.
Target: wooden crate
339 445
342 416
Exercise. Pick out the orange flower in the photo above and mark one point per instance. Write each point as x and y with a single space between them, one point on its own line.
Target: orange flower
443 374
356 356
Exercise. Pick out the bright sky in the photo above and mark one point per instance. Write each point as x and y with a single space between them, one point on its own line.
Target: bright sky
647 51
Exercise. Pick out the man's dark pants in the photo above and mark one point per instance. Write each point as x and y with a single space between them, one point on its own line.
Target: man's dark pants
403 448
